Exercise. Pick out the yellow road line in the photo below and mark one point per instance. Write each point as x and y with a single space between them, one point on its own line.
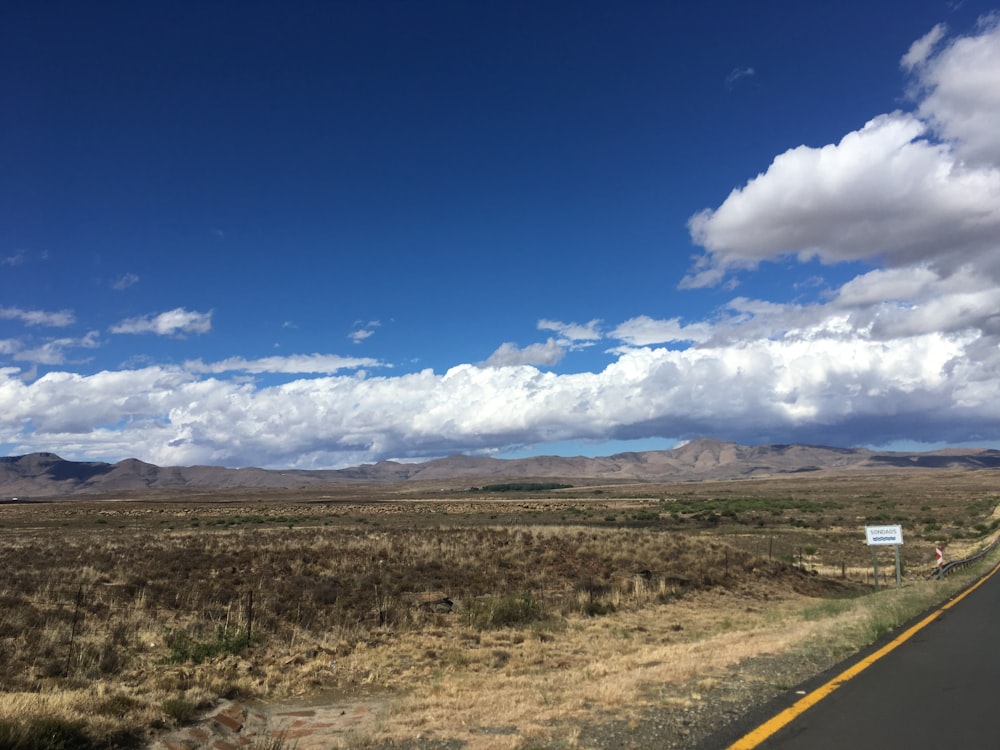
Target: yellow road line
769 727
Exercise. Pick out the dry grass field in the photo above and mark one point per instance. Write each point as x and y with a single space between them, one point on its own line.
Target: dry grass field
503 606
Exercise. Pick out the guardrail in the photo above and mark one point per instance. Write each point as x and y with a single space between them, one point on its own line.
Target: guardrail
959 564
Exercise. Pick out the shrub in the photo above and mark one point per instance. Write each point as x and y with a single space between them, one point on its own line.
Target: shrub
185 648
596 609
504 611
180 710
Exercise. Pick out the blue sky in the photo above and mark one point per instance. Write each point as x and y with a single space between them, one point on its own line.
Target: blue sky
317 234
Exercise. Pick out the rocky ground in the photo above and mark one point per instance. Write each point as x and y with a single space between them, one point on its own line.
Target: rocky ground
233 724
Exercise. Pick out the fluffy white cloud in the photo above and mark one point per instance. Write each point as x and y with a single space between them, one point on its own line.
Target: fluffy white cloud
509 354
846 390
293 364
883 194
907 189
57 319
960 90
643 331
573 334
176 322
53 351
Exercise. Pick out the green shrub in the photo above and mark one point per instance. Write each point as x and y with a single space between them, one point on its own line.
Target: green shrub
180 710
185 648
645 515
596 609
504 611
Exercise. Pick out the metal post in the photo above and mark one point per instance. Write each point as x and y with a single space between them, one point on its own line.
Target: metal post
899 583
875 564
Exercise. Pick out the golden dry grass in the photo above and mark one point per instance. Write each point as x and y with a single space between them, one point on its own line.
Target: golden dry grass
624 601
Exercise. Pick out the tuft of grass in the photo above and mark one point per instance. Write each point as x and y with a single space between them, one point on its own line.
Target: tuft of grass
826 608
116 706
44 733
181 711
504 611
272 743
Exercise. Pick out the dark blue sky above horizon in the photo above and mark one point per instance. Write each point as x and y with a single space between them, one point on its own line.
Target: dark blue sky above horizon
327 207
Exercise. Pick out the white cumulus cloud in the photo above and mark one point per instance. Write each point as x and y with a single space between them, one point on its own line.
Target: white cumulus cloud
959 91
884 193
176 322
643 331
907 189
814 387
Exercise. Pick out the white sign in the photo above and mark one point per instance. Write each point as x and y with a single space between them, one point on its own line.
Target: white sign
876 535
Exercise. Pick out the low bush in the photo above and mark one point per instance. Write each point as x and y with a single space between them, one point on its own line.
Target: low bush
185 648
181 711
504 611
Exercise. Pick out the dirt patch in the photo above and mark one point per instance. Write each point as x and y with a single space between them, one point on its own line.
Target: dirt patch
317 724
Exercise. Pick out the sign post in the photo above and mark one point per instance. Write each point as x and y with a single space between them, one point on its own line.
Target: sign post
939 555
880 536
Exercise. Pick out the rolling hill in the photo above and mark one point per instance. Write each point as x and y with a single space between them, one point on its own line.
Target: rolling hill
46 475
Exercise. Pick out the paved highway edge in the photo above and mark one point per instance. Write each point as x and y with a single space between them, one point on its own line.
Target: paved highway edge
857 665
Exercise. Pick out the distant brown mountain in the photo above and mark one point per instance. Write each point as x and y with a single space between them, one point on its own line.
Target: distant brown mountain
47 475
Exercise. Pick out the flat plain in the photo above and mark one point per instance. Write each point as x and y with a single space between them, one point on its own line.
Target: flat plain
528 614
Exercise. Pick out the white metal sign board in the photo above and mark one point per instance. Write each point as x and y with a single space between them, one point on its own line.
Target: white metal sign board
876 535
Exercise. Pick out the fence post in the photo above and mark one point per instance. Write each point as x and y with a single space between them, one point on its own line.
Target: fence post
72 631
250 617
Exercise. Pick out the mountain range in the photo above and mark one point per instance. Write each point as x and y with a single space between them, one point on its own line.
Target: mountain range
46 475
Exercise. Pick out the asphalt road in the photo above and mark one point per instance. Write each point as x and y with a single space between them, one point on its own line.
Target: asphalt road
938 689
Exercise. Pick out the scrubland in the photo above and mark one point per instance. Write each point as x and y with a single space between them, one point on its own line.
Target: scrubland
469 613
